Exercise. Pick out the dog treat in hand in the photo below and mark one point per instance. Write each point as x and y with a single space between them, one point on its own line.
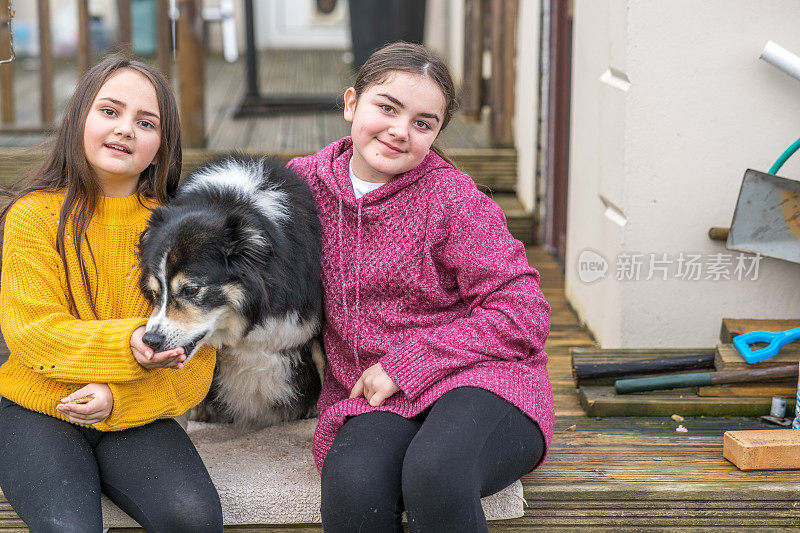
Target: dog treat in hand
82 399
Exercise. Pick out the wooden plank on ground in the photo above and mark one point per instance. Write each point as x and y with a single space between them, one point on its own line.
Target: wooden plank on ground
603 401
786 388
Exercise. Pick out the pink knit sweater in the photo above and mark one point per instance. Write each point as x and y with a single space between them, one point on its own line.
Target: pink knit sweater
423 276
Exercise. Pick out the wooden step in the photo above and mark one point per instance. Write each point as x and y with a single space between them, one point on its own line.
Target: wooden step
494 170
520 221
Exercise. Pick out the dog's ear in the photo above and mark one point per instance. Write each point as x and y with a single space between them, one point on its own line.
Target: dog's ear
244 245
247 254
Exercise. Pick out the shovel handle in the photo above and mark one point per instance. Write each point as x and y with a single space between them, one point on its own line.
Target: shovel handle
672 381
776 340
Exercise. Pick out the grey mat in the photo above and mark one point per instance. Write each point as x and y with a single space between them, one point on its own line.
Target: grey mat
269 477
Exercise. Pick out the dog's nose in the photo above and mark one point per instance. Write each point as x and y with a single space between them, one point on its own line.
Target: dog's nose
154 339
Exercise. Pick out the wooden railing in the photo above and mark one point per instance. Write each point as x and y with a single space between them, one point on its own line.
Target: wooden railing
490 26
189 62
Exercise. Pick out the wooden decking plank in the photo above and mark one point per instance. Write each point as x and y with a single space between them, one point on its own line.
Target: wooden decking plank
602 401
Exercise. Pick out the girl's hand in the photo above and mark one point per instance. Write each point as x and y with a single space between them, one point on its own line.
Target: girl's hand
93 411
144 354
375 385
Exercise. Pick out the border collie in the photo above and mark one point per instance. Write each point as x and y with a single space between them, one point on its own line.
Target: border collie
233 261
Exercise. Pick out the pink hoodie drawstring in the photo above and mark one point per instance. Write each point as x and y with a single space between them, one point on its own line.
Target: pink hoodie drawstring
346 323
357 308
341 270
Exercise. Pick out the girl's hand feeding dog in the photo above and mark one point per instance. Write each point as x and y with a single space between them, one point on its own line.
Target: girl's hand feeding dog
144 354
95 410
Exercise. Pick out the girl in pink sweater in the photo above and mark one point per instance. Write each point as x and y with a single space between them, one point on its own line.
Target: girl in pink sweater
436 391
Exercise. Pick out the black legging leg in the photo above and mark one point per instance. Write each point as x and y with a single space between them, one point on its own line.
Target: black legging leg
472 444
155 474
51 472
48 472
361 474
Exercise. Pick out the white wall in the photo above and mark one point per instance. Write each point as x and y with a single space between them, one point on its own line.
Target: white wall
669 152
526 96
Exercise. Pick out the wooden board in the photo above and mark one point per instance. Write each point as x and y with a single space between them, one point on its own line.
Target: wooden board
763 449
787 388
736 326
597 355
728 358
603 401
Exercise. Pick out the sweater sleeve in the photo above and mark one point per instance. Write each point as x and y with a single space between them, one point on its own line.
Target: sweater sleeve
36 322
164 393
508 318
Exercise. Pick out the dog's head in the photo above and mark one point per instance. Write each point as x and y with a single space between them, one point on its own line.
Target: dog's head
197 265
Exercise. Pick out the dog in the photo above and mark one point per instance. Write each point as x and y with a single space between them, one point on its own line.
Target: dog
233 261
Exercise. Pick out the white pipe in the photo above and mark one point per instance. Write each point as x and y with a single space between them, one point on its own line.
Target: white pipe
781 58
230 44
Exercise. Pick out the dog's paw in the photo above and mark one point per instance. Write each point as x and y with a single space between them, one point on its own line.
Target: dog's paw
201 413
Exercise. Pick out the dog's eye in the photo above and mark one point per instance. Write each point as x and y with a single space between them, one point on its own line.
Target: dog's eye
191 290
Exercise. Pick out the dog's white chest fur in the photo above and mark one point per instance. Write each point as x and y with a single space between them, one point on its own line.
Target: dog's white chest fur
250 382
256 373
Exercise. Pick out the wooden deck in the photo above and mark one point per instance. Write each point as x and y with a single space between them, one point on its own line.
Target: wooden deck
624 474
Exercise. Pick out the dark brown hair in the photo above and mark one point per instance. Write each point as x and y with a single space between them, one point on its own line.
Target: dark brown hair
413 59
66 168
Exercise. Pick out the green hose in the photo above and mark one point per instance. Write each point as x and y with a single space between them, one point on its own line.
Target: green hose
784 156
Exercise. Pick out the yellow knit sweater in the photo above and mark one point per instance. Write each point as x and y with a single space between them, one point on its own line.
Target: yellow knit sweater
53 353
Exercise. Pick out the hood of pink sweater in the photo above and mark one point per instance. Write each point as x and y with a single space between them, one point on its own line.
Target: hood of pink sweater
333 168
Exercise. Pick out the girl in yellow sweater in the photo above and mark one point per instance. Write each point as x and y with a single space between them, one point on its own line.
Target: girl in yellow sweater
73 317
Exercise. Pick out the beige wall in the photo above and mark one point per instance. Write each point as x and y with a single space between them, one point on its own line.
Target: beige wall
666 154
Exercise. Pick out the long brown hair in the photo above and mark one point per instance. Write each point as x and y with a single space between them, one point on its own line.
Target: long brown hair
67 169
413 59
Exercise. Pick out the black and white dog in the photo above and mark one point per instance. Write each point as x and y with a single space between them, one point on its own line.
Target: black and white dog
234 261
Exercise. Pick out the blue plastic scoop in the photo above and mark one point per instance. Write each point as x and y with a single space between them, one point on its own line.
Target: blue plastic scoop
776 342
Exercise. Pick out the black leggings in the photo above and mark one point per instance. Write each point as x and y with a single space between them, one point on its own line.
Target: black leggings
471 443
52 473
